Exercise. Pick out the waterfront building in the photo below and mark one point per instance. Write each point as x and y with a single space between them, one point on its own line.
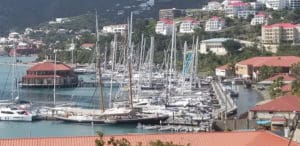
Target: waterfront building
249 68
41 75
280 32
238 9
171 13
215 23
188 25
164 27
119 28
260 18
233 138
285 106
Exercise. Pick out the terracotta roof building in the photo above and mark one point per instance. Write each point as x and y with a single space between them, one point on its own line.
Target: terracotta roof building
249 68
245 138
280 32
42 75
287 79
284 106
164 26
222 71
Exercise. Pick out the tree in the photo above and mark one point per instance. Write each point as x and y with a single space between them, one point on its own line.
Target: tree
275 88
231 46
124 142
296 87
295 70
265 72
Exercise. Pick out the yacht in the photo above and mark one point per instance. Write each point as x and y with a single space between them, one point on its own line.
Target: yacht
14 114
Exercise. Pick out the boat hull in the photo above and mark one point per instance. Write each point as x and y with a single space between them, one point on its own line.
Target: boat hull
146 120
69 120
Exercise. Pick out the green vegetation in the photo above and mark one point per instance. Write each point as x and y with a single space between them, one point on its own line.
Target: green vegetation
275 88
124 142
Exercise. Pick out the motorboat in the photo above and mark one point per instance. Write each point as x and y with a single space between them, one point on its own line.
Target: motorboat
14 114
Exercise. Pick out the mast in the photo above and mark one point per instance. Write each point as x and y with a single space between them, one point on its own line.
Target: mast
183 66
140 64
196 55
171 58
54 80
151 59
112 69
13 74
98 62
129 62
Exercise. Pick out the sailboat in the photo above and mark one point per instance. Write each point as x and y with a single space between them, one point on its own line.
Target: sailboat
10 111
130 115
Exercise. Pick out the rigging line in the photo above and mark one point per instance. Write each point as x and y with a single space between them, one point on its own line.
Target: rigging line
91 103
8 75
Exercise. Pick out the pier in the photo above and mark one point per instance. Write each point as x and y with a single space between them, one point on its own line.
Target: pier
228 106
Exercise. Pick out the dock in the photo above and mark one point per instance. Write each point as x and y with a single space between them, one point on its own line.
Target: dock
228 106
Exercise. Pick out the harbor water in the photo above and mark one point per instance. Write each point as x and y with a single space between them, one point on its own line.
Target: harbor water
85 97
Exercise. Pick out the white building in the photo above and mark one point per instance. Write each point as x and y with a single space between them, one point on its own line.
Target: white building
294 4
260 18
276 4
238 9
188 25
215 24
213 6
222 71
213 45
120 28
164 27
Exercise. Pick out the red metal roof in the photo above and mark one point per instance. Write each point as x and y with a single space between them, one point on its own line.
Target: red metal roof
217 18
276 61
88 45
190 19
49 66
285 77
243 138
287 103
166 21
283 25
223 67
262 14
286 88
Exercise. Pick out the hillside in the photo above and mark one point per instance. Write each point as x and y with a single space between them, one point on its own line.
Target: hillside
15 15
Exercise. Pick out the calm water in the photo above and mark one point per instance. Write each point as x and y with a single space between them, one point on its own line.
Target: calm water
87 97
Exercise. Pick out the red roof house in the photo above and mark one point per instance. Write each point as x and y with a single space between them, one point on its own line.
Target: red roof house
241 138
42 75
287 103
287 79
250 67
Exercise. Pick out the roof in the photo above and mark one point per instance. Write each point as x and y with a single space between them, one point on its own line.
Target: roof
278 61
261 14
223 67
88 45
287 103
241 138
190 19
166 21
286 88
285 77
238 4
283 25
50 66
216 18
214 40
